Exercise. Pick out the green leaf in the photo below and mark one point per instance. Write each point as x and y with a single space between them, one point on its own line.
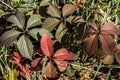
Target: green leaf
19 20
50 23
70 72
25 46
2 13
78 19
60 32
34 20
36 32
9 37
53 11
68 9
70 18
76 66
74 19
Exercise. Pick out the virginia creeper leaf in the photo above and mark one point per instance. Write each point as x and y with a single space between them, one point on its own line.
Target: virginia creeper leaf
50 23
61 30
36 64
47 45
91 44
53 11
77 19
25 47
50 71
16 57
108 44
70 19
110 28
68 9
25 71
34 20
9 37
63 54
37 32
94 25
90 31
19 20
74 19
62 65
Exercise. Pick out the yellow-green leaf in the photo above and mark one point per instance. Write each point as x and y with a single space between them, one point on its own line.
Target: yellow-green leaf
50 23
60 32
53 11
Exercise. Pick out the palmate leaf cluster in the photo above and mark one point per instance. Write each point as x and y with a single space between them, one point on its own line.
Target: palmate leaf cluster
60 18
60 57
20 35
102 34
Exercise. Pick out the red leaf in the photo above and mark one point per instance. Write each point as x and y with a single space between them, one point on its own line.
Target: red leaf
94 25
110 28
62 65
117 56
71 78
16 57
24 70
27 68
36 65
68 9
108 44
91 44
22 74
63 54
50 71
47 45
90 31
